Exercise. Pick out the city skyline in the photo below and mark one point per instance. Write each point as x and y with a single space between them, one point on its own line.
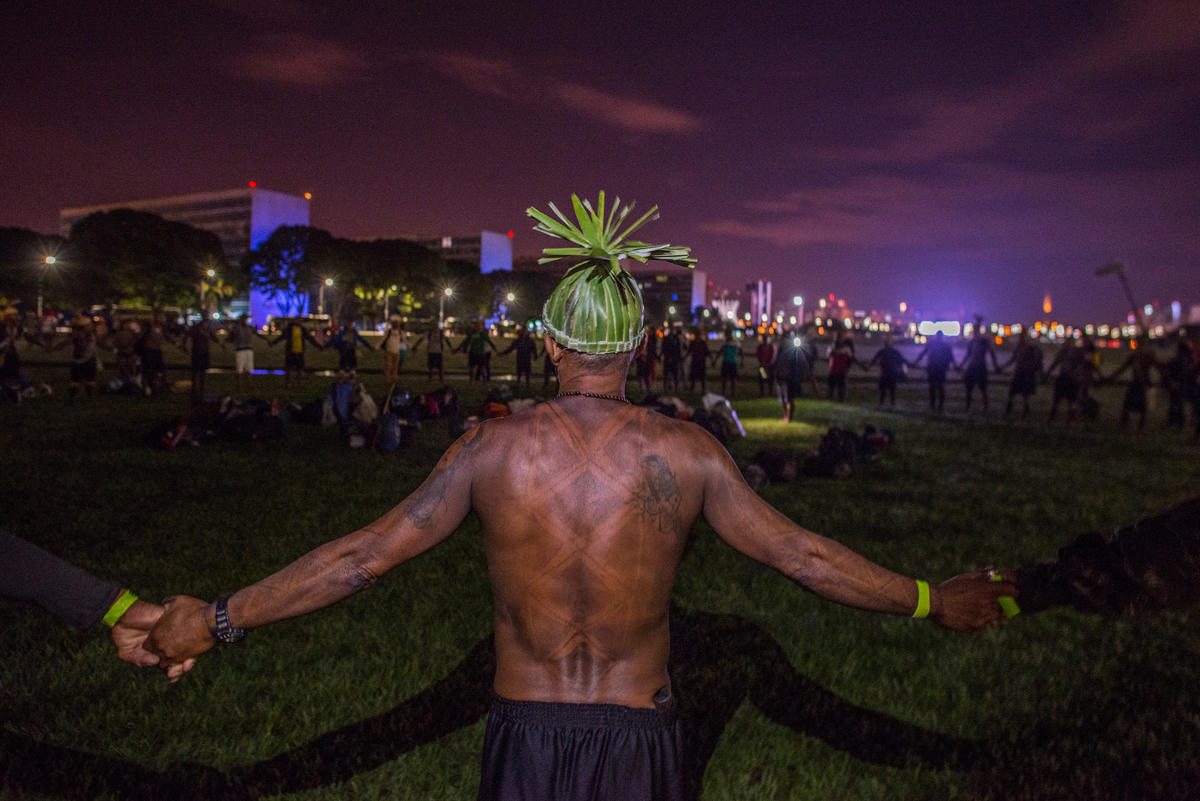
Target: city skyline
969 160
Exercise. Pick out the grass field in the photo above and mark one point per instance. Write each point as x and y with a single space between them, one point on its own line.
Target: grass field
786 696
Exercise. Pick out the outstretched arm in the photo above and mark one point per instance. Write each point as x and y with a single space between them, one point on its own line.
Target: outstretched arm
336 569
831 570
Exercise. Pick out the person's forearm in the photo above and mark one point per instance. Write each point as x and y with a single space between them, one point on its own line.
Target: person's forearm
322 577
74 596
835 572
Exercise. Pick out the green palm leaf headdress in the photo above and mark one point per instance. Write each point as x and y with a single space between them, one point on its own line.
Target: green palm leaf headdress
597 307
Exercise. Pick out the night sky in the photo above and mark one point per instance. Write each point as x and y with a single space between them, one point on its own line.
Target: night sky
965 158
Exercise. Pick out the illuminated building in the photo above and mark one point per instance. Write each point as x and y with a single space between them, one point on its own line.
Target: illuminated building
665 286
241 218
489 251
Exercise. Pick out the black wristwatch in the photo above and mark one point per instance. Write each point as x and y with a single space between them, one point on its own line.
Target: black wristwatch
225 632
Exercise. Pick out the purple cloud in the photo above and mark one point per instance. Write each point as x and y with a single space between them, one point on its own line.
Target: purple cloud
296 59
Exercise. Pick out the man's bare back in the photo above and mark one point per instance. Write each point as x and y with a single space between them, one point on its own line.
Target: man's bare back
585 509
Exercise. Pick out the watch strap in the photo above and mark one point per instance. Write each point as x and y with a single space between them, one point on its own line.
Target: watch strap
226 632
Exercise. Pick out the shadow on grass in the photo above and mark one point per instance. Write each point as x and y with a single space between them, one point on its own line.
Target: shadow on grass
711 683
1088 757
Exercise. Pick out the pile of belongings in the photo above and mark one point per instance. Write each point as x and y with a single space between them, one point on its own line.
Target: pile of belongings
839 451
715 415
221 418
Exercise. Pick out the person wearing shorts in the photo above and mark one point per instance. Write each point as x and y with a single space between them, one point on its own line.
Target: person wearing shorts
1074 367
729 354
539 749
974 367
1139 364
1026 362
940 360
242 335
841 356
435 344
891 369
295 338
83 356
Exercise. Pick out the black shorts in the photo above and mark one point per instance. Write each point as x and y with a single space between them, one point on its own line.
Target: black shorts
1135 398
152 362
347 360
729 370
1066 388
433 361
936 375
976 377
83 371
200 362
1024 382
536 749
697 371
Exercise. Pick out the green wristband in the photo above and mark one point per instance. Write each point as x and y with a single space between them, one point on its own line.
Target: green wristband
1008 604
922 599
120 606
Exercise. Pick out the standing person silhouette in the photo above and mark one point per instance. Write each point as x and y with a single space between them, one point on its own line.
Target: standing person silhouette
940 360
527 351
841 356
1026 362
585 503
974 366
435 346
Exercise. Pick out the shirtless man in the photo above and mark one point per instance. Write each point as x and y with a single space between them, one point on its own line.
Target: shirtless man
582 543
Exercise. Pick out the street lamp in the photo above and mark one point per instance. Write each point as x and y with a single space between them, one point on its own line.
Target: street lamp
387 294
48 261
321 295
447 292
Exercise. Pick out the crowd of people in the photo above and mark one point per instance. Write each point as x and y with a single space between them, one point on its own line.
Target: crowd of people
668 360
787 364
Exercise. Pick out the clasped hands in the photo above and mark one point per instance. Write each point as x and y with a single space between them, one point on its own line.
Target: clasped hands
170 636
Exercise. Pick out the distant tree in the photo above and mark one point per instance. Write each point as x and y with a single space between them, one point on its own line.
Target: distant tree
400 271
138 257
530 288
473 293
288 265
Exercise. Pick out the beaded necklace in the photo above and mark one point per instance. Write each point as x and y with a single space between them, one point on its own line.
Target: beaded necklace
598 395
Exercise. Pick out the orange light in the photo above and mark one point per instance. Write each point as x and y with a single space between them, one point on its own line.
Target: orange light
253 184
308 195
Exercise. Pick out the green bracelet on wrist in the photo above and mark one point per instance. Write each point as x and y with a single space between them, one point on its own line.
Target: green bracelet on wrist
922 599
120 606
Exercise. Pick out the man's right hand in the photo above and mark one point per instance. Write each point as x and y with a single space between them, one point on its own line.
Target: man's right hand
970 602
180 635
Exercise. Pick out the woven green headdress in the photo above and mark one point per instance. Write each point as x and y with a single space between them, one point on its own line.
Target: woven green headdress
597 307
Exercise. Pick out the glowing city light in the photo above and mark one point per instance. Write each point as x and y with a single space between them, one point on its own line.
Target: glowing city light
950 328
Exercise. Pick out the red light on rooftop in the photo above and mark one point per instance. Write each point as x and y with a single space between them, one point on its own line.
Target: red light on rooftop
308 195
253 184
510 234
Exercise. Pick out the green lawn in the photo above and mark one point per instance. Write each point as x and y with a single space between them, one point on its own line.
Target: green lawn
787 696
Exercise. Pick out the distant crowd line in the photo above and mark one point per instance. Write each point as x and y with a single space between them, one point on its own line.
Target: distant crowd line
786 363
